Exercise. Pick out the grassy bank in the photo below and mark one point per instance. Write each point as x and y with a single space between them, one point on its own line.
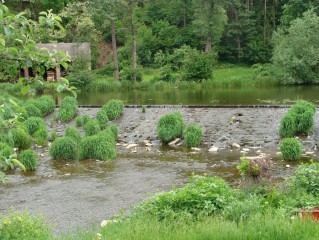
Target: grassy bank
269 226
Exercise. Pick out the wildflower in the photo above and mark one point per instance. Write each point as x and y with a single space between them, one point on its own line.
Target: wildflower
99 236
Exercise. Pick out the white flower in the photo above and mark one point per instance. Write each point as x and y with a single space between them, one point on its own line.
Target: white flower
104 223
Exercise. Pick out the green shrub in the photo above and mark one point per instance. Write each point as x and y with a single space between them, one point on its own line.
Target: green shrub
29 159
6 139
91 128
48 104
291 149
110 133
32 111
304 112
193 135
201 196
113 109
5 150
102 118
63 148
21 225
33 124
68 109
306 177
21 138
73 133
288 125
53 136
85 119
97 147
170 127
78 121
127 74
41 136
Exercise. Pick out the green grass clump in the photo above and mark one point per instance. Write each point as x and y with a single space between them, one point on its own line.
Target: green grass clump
97 147
113 109
193 135
85 119
102 118
73 133
21 139
21 225
53 136
33 124
78 121
41 136
291 149
63 148
287 127
5 150
29 159
68 109
47 104
6 139
32 111
170 127
92 127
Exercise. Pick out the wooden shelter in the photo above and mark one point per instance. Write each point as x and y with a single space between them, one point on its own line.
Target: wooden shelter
73 49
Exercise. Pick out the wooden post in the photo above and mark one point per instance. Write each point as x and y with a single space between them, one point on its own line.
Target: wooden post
26 73
57 72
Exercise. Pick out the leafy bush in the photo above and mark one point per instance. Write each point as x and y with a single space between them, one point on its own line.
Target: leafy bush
85 119
196 66
306 177
291 149
102 118
170 127
63 148
97 147
193 135
127 74
73 133
41 136
304 112
110 133
29 159
68 109
288 125
78 121
21 138
21 225
165 74
48 104
53 136
201 196
32 111
33 124
113 109
91 128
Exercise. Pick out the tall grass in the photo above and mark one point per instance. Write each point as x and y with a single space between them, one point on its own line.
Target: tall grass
268 227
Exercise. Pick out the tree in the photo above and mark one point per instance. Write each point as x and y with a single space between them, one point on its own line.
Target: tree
297 49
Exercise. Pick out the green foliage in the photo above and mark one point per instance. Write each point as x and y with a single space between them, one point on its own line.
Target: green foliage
33 124
201 196
17 225
248 168
113 109
193 135
73 133
63 148
288 125
41 136
170 127
110 133
78 121
4 138
21 138
127 74
291 149
290 53
306 178
97 147
5 150
45 104
165 74
92 127
79 75
143 109
102 118
53 136
29 159
85 119
32 110
197 66
68 109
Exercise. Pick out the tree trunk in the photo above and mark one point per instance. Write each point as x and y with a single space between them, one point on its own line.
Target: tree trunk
208 46
115 59
265 21
134 57
184 12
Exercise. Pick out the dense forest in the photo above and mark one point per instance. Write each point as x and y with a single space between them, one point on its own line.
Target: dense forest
174 35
